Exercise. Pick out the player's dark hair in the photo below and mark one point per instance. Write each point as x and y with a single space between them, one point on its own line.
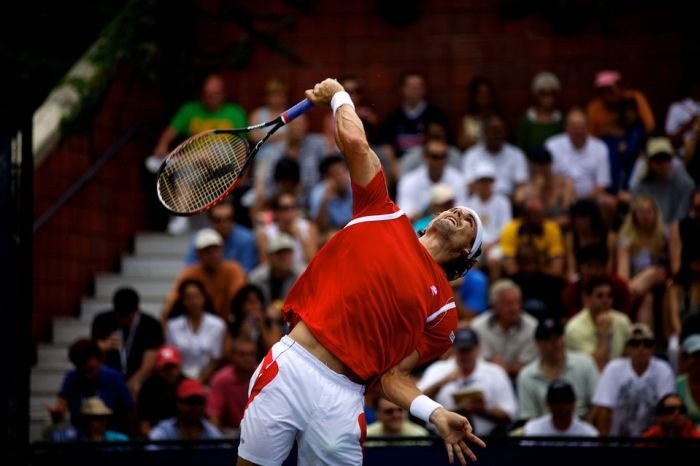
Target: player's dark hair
459 266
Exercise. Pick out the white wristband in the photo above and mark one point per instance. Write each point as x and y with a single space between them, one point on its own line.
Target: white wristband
422 407
341 98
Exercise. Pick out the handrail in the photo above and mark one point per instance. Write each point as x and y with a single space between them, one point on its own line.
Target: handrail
84 178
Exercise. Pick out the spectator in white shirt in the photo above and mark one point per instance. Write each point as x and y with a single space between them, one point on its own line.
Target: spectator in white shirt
510 162
561 421
413 190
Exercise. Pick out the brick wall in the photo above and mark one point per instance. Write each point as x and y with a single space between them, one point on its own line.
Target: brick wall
451 42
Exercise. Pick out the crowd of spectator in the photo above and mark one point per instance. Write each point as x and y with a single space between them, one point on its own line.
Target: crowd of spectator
582 317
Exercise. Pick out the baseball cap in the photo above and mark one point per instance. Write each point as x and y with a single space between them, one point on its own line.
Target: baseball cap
441 193
207 237
659 147
484 170
560 391
279 243
607 78
641 330
94 406
547 328
692 344
167 354
466 338
189 388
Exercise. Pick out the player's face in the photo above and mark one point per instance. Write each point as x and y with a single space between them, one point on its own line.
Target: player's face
456 225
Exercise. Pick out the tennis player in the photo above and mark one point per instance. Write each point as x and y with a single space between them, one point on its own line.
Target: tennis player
373 303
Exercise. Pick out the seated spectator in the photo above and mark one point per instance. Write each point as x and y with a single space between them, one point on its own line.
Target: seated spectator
221 278
561 420
556 192
239 241
506 332
198 334
287 218
684 255
392 421
252 319
579 156
128 337
598 330
671 189
331 199
413 157
591 262
630 388
688 383
541 292
543 119
413 190
442 197
279 272
495 212
555 363
190 422
672 420
228 393
642 259
156 399
532 227
481 102
477 389
588 228
513 171
90 378
95 414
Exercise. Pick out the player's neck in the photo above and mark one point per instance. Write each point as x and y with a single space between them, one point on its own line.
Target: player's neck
435 247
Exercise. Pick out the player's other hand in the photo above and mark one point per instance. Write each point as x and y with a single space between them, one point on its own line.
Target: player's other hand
456 431
323 92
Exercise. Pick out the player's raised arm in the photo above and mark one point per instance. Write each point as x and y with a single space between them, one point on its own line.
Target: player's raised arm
350 136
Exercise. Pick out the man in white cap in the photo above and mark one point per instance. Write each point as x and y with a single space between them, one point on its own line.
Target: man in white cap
373 304
221 278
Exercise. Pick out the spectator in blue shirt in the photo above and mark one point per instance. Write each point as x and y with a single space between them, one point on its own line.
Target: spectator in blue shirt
331 199
239 241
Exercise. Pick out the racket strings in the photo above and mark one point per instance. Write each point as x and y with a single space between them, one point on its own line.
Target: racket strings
201 171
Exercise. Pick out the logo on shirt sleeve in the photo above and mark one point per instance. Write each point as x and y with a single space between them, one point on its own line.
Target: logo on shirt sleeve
433 290
452 337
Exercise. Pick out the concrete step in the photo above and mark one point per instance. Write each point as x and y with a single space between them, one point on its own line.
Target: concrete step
49 354
38 404
148 288
67 329
46 382
161 244
151 266
90 307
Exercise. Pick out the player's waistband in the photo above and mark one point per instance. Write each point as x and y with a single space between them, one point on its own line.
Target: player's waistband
324 370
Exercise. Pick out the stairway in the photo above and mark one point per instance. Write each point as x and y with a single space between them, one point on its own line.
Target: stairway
157 259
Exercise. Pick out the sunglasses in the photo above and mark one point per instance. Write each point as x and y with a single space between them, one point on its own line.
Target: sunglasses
673 409
217 219
286 206
637 342
436 155
392 410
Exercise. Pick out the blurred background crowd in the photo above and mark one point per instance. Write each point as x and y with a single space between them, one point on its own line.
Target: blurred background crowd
582 317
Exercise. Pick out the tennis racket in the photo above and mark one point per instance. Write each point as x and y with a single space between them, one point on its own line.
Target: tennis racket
204 169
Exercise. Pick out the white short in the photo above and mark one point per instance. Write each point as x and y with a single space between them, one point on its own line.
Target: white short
294 396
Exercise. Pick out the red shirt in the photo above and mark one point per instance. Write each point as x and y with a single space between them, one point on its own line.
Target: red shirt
373 294
227 397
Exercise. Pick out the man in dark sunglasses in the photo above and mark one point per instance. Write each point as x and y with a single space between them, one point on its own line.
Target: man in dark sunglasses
630 387
672 420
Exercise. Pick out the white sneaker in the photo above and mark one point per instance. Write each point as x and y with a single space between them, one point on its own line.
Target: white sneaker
178 225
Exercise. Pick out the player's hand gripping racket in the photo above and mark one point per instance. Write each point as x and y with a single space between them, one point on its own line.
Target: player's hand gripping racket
203 170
